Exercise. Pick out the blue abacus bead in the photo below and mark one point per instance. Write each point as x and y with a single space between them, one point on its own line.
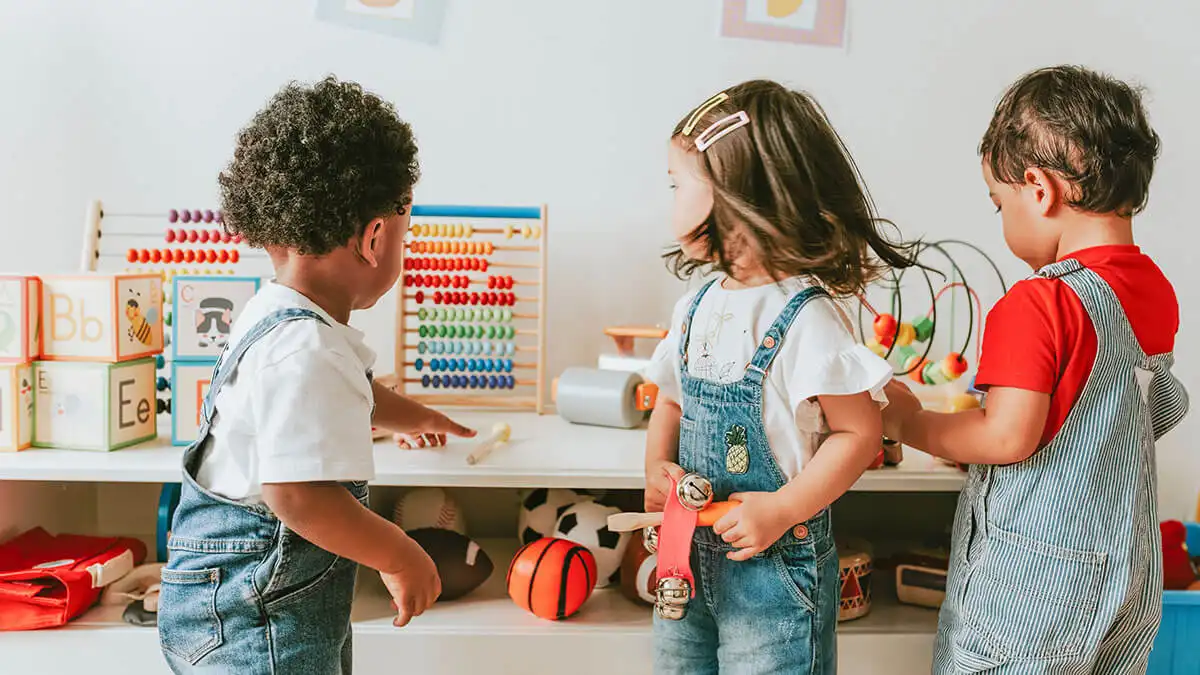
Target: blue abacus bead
462 364
489 365
510 348
435 364
160 362
161 384
419 364
436 382
425 381
460 381
491 382
474 381
447 381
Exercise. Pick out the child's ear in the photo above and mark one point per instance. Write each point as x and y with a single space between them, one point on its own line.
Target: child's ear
1045 189
368 244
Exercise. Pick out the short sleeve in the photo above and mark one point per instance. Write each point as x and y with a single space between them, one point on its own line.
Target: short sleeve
664 366
314 419
1019 344
820 357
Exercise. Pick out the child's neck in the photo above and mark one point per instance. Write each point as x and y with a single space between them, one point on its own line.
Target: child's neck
320 279
1089 230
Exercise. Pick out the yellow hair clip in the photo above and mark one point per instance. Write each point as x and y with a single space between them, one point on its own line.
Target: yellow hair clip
704 108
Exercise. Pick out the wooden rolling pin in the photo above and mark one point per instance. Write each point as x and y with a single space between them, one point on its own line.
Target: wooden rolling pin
628 522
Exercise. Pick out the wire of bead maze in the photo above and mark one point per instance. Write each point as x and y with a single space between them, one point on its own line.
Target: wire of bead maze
471 311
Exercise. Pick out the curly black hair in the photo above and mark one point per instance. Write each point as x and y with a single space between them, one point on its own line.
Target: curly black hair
1087 127
316 165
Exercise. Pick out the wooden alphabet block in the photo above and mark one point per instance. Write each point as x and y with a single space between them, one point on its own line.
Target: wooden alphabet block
109 318
189 386
20 319
203 310
93 406
16 406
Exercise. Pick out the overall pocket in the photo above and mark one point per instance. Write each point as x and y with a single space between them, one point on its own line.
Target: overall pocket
797 568
1030 599
188 624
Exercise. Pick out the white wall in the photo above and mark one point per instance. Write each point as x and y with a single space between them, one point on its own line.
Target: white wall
569 103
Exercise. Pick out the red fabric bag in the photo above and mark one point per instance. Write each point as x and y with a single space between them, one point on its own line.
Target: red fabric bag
47 580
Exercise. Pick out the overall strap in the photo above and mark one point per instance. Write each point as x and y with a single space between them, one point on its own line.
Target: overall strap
756 370
228 360
1100 302
686 330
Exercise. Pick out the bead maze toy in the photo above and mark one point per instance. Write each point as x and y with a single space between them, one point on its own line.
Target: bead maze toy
471 313
909 345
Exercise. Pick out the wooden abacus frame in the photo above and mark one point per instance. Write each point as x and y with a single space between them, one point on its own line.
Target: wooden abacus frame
441 228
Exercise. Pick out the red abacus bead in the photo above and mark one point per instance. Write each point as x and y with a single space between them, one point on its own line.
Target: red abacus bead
208 216
443 264
234 256
237 239
155 255
512 299
491 282
185 216
143 256
189 255
192 236
203 236
408 280
197 216
173 216
214 236
419 297
178 256
170 236
223 256
466 281
508 282
437 298
226 237
132 255
407 265
475 298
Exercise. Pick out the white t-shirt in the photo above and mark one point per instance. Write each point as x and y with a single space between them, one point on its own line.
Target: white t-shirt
296 409
818 356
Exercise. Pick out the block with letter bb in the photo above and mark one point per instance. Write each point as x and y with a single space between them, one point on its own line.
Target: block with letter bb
20 319
110 318
204 309
16 406
93 406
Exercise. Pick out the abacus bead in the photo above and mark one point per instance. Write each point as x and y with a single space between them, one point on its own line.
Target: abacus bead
475 298
508 231
421 313
439 348
419 364
488 247
170 236
474 381
234 256
226 237
131 255
437 382
210 256
441 330
491 382
425 381
185 216
419 297
161 384
491 332
423 331
422 348
507 315
526 231
456 381
537 232
471 363
491 282
173 216
143 256
508 365
437 297
208 216
511 348
223 256
160 362
197 216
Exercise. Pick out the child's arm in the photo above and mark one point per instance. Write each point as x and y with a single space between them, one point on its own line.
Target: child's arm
662 453
1007 431
327 515
403 415
856 430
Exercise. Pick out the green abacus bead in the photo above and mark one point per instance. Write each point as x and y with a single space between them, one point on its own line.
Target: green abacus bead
451 331
507 315
421 313
167 319
441 330
423 330
460 314
923 327
512 331
491 333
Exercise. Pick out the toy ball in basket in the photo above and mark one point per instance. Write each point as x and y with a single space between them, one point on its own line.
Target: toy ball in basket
462 565
552 578
856 585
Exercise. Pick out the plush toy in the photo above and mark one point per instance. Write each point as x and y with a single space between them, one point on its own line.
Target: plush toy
1178 572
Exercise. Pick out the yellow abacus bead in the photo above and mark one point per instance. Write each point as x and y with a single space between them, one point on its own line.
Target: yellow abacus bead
906 335
508 231
443 229
458 230
468 230
526 231
537 232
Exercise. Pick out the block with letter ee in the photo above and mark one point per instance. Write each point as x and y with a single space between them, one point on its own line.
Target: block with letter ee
94 406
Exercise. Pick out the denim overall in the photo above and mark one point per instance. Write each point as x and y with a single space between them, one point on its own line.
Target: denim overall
1055 565
774 613
242 593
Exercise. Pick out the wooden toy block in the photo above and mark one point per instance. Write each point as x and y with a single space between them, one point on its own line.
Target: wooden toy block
20 319
203 309
93 406
16 407
189 386
109 318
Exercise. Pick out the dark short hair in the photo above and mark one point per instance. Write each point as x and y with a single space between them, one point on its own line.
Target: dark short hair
316 165
1087 127
785 187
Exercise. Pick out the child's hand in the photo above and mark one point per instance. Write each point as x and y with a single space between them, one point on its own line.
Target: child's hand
759 522
431 432
414 586
658 484
902 405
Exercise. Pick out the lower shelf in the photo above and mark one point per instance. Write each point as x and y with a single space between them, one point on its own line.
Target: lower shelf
610 634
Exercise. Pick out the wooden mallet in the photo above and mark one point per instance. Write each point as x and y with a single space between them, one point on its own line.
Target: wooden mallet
500 435
628 522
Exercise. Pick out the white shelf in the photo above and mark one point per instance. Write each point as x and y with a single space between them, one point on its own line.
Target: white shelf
545 451
610 634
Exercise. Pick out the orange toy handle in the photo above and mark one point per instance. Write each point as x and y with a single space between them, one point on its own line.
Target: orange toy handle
625 335
714 512
646 396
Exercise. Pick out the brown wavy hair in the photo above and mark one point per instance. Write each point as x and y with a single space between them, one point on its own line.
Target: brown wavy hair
786 192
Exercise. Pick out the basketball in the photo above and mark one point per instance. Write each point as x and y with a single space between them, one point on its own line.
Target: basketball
552 578
639 573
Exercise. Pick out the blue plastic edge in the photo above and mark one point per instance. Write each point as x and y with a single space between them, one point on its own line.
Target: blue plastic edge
457 211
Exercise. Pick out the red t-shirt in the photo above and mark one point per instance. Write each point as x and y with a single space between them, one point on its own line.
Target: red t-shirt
1039 337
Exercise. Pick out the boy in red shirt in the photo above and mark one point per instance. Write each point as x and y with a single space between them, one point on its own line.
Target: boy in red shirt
1055 564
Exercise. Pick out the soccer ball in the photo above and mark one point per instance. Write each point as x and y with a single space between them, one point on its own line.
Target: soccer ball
586 523
541 509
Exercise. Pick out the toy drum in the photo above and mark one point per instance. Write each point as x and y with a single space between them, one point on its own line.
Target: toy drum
856 585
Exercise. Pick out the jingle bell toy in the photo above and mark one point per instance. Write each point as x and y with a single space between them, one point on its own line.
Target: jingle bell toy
673 542
673 596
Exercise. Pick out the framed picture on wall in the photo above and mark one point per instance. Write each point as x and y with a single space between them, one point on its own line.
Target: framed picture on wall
814 22
419 20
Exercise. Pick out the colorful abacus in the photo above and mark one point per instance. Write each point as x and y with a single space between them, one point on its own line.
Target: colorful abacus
473 299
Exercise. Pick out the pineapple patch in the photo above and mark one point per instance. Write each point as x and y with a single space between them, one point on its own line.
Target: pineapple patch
737 455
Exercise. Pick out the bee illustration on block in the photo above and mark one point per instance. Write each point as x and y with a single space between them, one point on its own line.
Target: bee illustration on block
140 325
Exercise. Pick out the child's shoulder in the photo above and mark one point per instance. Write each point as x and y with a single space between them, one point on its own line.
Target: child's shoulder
312 342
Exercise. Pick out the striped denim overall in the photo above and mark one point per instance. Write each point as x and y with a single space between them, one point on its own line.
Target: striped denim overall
1055 563
242 593
774 613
